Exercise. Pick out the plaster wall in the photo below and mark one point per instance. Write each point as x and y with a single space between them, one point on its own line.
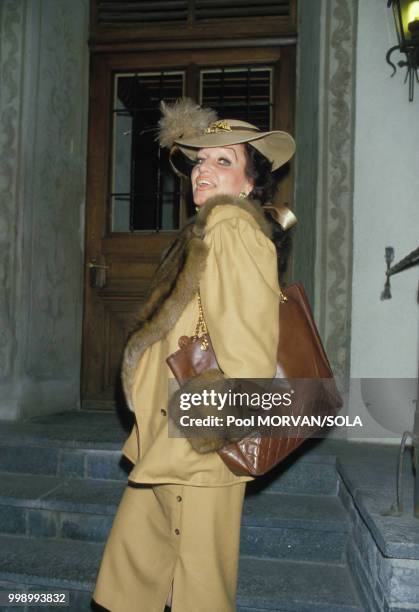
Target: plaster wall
43 120
386 213
362 133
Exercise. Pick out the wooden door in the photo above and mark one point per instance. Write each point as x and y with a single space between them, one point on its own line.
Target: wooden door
134 205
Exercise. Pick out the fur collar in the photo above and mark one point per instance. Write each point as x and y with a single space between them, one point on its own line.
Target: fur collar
175 283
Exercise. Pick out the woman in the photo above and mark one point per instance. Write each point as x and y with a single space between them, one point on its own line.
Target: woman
175 538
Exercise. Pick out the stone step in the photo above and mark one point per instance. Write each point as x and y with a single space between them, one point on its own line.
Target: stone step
69 430
74 462
263 584
51 565
295 586
311 475
294 527
47 506
88 445
297 474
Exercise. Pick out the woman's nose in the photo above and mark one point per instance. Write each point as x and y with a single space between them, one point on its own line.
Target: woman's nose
204 163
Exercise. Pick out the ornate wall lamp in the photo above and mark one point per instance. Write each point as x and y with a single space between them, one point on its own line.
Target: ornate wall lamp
406 16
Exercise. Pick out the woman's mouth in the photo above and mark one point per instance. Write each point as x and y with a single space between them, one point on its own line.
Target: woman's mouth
203 184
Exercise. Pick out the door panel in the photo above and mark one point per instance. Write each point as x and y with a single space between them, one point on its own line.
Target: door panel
128 223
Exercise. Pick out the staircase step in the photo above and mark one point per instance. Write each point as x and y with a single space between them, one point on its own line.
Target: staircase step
293 527
295 586
88 445
316 478
76 462
291 476
279 510
51 565
263 584
46 506
94 430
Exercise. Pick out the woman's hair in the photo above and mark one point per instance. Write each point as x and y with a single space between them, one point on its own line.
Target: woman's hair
259 169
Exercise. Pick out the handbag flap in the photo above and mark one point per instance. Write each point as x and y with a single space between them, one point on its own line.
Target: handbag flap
192 359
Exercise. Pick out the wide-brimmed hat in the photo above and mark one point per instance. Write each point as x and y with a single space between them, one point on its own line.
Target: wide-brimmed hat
187 127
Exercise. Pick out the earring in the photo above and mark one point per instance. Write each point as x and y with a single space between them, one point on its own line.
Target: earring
242 195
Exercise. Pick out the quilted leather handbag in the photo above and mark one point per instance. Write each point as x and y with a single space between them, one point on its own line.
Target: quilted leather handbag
301 358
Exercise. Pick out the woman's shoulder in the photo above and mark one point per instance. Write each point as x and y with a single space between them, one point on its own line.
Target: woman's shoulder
227 212
236 242
229 215
233 232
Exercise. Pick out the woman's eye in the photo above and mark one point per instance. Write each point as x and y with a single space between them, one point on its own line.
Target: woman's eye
199 160
224 161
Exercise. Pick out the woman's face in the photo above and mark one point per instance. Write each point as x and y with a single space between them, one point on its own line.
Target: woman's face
220 170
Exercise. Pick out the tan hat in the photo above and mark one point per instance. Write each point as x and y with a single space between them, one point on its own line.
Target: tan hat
278 147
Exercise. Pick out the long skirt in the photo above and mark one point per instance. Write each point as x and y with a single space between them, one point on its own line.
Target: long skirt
180 534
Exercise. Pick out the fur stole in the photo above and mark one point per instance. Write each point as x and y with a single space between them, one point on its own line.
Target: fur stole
174 284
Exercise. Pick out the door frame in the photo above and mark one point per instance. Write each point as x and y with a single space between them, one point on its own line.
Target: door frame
98 237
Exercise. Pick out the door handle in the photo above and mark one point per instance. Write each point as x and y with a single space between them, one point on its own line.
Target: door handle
97 275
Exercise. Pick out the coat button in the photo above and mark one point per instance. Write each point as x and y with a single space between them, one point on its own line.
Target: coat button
177 531
163 412
179 498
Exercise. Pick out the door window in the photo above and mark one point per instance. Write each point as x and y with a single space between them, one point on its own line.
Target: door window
144 191
239 93
145 194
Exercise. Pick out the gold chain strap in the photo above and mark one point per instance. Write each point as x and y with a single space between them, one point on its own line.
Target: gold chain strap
201 326
282 297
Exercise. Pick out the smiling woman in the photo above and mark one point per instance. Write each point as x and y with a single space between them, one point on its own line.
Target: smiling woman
220 170
175 538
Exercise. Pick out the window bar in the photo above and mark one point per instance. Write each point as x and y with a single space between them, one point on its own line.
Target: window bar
222 85
132 177
191 11
159 194
272 98
248 93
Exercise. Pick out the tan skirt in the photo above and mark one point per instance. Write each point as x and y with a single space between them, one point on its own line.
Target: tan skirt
180 533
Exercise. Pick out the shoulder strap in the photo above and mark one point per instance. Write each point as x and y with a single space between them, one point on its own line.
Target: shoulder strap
201 329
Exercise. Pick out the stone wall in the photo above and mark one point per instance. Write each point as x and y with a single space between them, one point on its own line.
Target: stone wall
386 583
43 123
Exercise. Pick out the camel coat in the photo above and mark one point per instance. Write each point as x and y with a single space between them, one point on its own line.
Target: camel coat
179 519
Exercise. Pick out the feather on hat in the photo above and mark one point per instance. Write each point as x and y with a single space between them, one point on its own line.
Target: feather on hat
183 119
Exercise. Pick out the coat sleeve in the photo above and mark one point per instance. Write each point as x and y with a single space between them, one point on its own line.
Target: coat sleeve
240 299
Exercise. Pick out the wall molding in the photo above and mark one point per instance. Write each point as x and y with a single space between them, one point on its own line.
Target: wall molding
333 277
12 19
43 138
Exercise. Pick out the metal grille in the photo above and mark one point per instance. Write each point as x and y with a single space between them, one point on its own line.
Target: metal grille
141 11
221 9
145 193
242 93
